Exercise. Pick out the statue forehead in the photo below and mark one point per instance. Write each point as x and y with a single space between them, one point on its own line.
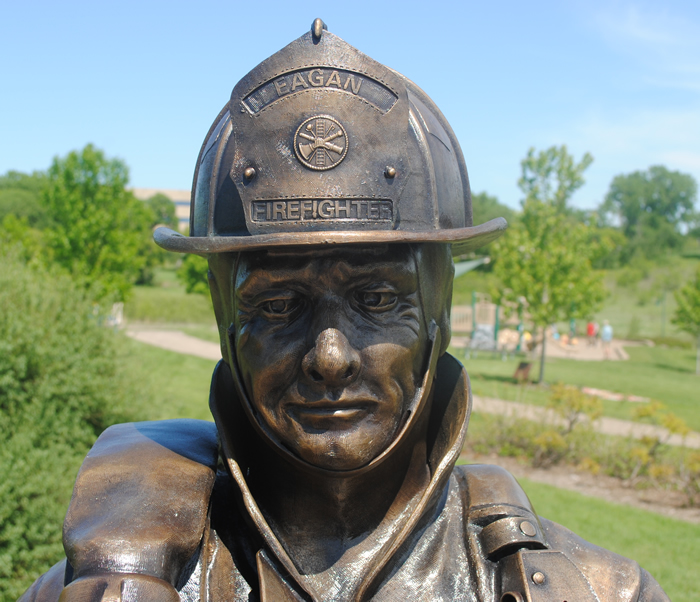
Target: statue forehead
336 260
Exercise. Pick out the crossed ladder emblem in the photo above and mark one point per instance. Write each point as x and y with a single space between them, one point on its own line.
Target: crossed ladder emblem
321 152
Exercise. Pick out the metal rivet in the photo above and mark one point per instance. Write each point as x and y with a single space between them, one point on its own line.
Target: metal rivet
249 173
317 28
538 578
390 172
528 528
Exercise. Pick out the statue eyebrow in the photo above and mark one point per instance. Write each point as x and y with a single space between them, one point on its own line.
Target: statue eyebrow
261 278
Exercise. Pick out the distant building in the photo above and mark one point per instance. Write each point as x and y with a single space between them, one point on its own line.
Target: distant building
181 198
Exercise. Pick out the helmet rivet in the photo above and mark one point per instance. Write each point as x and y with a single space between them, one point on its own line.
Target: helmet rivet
249 173
317 28
538 578
390 172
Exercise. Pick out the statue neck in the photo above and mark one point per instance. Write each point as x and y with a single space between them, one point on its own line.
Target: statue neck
325 522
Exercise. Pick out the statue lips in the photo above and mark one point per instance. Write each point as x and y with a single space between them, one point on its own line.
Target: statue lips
327 414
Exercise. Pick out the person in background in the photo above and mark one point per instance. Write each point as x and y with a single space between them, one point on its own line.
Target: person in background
606 335
590 333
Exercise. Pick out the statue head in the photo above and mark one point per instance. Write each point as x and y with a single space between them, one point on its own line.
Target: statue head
329 196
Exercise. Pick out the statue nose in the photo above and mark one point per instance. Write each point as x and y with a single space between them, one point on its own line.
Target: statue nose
332 361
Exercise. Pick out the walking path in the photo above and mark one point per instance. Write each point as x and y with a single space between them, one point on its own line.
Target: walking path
174 340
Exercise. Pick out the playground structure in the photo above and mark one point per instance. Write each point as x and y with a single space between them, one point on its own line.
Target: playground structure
488 326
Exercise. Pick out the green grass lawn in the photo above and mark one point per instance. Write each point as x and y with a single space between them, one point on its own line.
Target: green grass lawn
663 374
167 302
177 384
669 549
641 308
161 304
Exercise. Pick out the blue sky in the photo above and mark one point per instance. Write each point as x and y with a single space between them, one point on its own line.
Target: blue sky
144 80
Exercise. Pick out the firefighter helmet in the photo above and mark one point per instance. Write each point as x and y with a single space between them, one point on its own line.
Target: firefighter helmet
320 144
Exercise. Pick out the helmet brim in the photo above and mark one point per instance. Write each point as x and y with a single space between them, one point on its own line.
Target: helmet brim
463 240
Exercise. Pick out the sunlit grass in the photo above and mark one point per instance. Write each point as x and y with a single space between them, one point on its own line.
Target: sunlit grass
662 374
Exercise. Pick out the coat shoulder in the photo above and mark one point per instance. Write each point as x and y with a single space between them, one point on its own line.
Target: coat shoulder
492 496
153 478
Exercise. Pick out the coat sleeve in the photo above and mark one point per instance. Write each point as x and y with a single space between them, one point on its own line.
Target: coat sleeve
47 588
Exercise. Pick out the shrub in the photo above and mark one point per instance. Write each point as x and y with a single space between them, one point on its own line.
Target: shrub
193 274
61 384
566 436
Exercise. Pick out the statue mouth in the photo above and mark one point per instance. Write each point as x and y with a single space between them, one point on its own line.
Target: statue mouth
330 415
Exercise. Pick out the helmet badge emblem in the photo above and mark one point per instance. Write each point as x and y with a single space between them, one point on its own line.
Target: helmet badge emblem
320 142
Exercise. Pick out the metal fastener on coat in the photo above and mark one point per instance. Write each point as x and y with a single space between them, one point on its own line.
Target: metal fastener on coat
528 528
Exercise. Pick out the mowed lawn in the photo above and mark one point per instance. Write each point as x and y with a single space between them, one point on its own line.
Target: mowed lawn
177 384
662 374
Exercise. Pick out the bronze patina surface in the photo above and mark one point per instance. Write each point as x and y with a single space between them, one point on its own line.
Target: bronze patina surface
329 197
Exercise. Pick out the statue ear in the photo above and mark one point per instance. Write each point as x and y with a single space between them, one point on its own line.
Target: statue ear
435 274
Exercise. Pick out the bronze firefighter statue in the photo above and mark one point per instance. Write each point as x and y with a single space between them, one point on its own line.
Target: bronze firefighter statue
329 197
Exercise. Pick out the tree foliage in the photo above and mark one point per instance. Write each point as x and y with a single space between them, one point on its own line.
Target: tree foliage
486 207
100 232
653 207
163 210
60 385
545 261
20 196
552 175
687 316
193 274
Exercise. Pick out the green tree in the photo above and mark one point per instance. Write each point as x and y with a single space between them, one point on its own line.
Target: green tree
163 210
653 207
687 316
552 176
193 274
61 383
486 207
546 259
100 232
20 196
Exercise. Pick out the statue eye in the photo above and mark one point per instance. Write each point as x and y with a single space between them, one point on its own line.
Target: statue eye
279 307
376 300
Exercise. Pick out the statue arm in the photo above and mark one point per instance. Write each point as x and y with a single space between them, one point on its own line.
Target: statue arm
48 587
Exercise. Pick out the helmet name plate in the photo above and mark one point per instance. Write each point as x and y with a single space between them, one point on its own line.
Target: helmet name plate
377 94
308 210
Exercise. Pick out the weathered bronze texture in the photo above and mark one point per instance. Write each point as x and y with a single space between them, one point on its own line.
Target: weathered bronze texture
329 471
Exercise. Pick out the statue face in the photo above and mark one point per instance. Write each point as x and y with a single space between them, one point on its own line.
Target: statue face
331 347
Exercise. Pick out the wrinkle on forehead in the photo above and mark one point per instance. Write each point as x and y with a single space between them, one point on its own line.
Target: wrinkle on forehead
325 267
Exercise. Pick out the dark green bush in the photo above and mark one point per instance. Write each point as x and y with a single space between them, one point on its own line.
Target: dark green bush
61 384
